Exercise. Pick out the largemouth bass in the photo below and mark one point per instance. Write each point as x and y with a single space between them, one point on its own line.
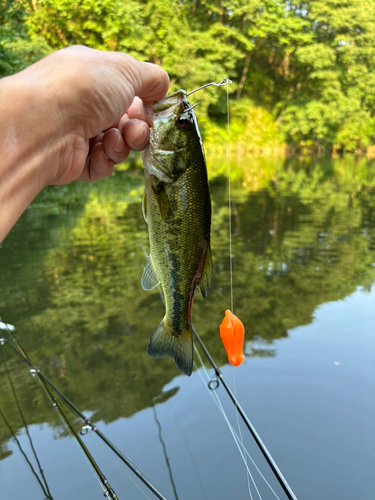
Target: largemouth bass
177 209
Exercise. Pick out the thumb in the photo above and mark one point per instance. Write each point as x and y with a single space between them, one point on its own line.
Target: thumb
95 86
149 82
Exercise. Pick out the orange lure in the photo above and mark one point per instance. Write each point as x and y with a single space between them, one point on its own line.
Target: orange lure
232 333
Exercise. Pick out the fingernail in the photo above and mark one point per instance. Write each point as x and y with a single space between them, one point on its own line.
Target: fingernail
119 145
141 137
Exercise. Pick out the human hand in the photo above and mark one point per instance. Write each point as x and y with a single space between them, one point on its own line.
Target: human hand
70 116
91 110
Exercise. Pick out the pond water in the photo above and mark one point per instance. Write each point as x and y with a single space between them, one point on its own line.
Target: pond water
304 273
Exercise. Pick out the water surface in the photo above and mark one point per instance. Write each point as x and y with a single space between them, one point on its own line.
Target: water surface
304 271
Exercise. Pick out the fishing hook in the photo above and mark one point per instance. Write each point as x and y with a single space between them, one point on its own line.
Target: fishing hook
191 107
223 82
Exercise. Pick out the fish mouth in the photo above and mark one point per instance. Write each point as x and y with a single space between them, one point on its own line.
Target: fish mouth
164 108
168 101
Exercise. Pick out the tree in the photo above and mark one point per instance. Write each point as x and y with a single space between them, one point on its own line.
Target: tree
332 96
310 64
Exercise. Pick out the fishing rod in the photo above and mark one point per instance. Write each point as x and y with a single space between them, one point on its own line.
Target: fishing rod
108 490
267 455
165 452
46 490
213 384
46 494
35 371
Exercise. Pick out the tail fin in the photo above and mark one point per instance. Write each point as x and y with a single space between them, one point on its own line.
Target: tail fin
179 347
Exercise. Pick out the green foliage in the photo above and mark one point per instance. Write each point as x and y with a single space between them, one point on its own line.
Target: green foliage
304 71
11 29
28 50
331 103
252 130
18 49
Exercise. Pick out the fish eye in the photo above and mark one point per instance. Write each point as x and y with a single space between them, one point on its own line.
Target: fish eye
183 122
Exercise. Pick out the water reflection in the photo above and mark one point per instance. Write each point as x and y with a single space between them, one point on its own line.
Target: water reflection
304 234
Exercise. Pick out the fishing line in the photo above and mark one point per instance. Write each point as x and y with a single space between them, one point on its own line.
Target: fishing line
229 206
105 450
217 400
267 455
46 490
231 270
217 371
221 409
235 434
239 430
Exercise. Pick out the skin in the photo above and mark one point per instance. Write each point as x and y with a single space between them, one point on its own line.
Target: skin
71 116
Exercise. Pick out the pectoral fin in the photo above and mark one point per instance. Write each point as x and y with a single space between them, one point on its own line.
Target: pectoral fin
162 200
149 277
204 284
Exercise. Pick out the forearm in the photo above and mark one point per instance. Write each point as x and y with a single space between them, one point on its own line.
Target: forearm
26 143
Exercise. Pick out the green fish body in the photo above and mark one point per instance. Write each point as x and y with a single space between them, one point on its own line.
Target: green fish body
177 209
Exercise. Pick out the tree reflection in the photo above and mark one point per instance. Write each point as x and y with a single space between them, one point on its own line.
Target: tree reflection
303 234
